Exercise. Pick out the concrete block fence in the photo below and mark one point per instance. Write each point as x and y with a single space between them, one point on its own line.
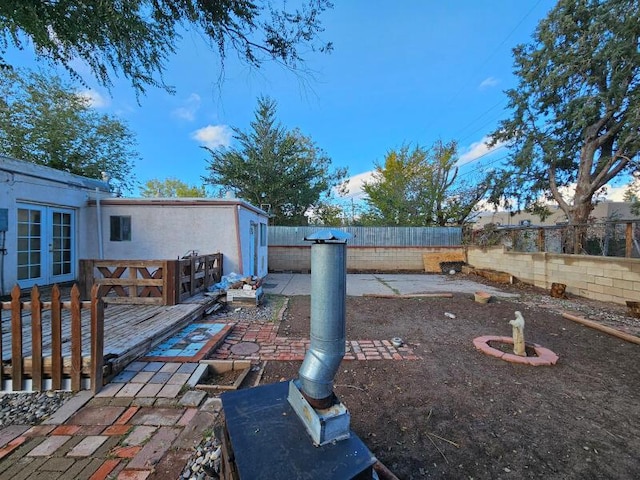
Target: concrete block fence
361 259
608 279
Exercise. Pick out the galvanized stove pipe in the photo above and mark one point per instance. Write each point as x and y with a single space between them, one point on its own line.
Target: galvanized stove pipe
328 315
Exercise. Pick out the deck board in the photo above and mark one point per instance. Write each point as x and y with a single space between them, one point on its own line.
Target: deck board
127 328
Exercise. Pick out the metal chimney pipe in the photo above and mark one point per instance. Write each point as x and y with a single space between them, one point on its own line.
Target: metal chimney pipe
328 315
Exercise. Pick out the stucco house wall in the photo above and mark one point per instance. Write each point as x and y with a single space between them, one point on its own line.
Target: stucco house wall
602 211
44 193
173 228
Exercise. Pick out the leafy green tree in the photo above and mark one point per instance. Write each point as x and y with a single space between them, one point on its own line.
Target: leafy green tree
421 187
327 214
136 38
576 109
274 167
632 195
42 120
396 193
171 188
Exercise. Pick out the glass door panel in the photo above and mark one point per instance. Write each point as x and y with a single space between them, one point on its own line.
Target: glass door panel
30 267
46 245
61 245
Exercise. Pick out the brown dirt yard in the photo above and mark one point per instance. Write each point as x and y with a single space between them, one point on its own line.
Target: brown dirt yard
457 413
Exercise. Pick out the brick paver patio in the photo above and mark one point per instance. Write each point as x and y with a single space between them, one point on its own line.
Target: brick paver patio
147 421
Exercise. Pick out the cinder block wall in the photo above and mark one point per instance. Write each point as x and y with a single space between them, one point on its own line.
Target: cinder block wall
359 259
608 279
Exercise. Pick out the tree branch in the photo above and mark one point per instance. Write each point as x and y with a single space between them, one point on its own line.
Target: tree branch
553 185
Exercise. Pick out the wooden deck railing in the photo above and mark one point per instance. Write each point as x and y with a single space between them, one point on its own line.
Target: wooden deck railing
151 282
37 331
197 273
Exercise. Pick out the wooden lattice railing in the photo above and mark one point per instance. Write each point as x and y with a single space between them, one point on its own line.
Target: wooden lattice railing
141 282
151 282
197 273
45 340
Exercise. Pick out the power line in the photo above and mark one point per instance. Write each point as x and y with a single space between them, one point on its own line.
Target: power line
489 57
497 104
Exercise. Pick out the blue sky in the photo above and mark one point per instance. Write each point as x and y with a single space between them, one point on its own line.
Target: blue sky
401 72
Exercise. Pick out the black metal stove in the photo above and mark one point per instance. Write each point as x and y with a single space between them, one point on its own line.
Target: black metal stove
299 429
268 441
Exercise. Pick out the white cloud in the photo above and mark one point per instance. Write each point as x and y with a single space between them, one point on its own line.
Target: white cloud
616 194
488 83
189 109
355 183
213 136
477 150
94 98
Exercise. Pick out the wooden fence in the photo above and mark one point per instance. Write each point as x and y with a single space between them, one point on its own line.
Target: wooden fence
612 238
197 273
151 282
50 322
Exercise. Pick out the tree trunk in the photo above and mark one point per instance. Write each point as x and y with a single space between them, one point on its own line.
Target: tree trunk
578 217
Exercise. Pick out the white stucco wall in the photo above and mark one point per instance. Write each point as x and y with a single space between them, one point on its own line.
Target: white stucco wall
172 228
36 185
247 218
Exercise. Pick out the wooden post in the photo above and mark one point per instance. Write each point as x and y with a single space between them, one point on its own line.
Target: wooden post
541 243
171 282
628 235
192 279
208 262
86 277
97 339
56 339
36 340
133 275
1 363
76 340
16 339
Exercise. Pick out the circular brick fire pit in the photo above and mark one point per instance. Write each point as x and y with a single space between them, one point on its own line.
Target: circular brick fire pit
543 356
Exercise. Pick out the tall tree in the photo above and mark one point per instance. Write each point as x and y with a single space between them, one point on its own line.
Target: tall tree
396 195
42 120
135 38
576 109
421 187
170 188
276 167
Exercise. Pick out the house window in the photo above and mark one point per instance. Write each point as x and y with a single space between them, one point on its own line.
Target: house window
120 228
263 234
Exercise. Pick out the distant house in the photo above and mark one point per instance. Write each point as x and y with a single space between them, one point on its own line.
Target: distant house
601 212
171 228
50 219
43 223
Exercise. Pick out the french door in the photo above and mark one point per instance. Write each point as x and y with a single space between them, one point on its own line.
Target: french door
46 245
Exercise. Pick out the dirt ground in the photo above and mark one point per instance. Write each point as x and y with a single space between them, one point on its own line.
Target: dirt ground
457 413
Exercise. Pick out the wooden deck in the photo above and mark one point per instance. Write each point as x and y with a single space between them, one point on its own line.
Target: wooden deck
129 330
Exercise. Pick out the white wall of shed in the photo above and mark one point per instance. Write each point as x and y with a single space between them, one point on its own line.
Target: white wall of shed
171 231
246 217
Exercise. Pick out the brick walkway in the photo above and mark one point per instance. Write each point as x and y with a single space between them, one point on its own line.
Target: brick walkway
273 347
143 425
147 421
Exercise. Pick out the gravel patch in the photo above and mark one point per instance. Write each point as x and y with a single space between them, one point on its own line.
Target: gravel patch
266 312
205 461
30 408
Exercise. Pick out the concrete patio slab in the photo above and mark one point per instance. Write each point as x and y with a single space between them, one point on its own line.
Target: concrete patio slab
359 284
